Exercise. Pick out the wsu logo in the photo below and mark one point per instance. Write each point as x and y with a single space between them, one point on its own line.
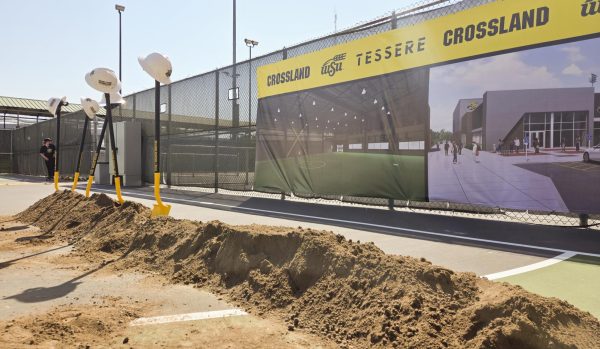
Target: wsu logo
472 106
334 65
590 8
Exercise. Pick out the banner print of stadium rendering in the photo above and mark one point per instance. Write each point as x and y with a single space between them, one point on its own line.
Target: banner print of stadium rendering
356 119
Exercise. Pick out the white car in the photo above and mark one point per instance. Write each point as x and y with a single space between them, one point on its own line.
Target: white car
592 154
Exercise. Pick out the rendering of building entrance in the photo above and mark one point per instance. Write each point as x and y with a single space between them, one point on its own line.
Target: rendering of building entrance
556 129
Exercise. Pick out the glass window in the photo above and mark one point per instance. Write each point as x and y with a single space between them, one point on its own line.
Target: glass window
538 118
567 117
581 116
557 118
569 139
556 139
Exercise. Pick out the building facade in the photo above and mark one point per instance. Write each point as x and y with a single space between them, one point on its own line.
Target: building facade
552 117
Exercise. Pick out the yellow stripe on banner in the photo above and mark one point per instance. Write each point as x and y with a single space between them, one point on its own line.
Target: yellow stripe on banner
501 26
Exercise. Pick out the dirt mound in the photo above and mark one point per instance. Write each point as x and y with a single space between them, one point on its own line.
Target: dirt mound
349 292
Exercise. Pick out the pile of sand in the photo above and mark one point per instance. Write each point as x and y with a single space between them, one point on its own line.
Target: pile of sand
349 292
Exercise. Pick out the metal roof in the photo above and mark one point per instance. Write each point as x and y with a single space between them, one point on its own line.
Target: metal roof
33 107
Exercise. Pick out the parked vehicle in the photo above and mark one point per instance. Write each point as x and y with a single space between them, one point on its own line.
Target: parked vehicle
592 154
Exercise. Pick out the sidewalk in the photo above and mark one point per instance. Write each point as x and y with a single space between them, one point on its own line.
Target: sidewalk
495 181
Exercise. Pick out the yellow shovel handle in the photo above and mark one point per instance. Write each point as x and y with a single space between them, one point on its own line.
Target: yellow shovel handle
56 180
118 189
157 188
88 187
75 180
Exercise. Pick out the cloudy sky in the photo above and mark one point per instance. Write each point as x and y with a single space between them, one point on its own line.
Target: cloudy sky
567 65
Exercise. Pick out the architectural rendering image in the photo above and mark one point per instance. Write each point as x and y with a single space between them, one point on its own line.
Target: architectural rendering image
529 125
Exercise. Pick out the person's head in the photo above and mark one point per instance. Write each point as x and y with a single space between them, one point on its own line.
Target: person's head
47 141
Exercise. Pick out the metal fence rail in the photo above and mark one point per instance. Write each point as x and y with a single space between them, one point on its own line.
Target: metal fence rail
208 141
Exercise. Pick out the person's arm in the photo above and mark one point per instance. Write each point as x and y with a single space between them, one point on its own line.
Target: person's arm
42 154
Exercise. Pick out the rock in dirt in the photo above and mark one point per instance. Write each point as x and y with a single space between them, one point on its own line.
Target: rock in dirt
349 292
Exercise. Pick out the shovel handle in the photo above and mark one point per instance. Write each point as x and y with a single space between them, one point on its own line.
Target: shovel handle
75 180
118 189
157 188
56 180
88 187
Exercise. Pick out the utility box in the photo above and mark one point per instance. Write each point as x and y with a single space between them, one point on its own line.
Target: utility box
102 175
128 138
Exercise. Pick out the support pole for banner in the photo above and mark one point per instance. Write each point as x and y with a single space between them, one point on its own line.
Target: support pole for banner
394 20
169 166
57 152
584 220
216 159
81 146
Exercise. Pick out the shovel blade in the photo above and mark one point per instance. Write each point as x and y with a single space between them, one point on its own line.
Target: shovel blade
161 210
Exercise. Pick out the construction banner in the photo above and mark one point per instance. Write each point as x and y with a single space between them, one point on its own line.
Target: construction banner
500 26
487 106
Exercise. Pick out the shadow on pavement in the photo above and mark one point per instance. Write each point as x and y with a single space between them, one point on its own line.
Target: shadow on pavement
43 294
8 263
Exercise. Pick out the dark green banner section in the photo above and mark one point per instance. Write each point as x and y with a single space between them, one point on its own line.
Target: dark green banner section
365 138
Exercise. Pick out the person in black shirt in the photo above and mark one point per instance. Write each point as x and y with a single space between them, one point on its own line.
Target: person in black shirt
47 153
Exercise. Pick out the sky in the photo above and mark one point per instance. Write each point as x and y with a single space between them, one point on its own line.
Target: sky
49 46
566 65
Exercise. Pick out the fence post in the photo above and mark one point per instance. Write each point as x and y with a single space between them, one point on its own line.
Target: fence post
284 54
133 107
12 158
584 220
216 159
169 99
394 20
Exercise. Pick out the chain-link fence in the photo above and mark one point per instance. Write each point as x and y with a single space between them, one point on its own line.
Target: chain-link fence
6 151
209 140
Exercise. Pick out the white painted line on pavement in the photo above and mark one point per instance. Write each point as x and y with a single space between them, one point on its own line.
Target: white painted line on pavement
531 267
205 315
423 232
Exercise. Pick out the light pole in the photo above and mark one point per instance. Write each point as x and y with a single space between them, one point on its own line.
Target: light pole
120 9
250 43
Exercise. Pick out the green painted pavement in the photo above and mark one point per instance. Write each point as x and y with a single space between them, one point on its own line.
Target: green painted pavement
576 280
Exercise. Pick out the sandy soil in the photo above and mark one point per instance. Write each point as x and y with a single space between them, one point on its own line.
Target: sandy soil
344 291
105 321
